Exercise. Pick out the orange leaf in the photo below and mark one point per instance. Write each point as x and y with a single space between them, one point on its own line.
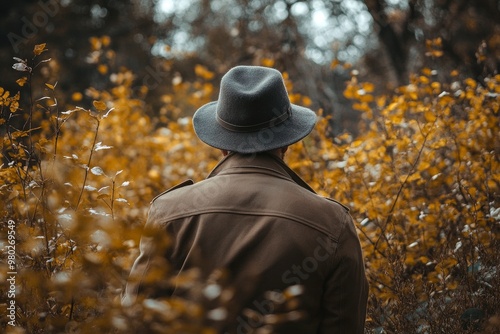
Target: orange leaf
22 81
203 72
95 43
39 48
77 96
267 62
105 40
368 87
334 64
103 69
99 105
14 106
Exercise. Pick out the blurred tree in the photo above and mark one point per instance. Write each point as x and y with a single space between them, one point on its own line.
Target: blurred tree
223 33
402 26
385 39
163 40
67 26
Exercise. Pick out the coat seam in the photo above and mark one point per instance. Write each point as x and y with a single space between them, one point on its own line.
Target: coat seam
251 213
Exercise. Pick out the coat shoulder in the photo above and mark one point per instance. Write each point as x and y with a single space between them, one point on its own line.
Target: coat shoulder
337 202
180 185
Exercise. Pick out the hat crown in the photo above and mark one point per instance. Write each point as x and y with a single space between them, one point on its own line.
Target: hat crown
253 113
252 98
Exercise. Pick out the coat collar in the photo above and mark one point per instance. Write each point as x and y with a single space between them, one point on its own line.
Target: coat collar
261 162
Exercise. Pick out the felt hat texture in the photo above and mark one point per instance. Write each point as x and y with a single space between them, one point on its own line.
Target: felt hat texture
253 113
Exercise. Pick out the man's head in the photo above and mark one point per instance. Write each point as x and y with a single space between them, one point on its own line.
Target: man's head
253 113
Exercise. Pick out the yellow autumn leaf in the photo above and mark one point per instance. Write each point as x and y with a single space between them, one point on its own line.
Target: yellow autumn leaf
436 86
143 90
105 40
410 260
413 177
368 87
306 101
452 285
22 81
366 98
77 96
99 105
334 63
471 82
424 165
203 72
426 71
39 48
267 62
95 43
437 41
350 92
294 98
472 191
423 79
436 53
361 106
14 106
103 69
448 263
356 143
50 86
381 101
430 116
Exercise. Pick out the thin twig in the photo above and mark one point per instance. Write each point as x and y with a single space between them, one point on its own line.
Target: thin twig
87 167
403 184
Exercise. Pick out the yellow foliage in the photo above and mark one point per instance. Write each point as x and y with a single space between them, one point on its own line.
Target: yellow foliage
425 194
422 180
203 72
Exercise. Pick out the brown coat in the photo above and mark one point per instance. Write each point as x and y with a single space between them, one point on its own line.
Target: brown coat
254 217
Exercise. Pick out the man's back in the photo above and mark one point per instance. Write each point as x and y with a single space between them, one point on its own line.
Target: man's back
251 218
256 219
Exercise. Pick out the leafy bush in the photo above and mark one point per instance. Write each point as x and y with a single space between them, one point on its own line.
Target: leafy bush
422 179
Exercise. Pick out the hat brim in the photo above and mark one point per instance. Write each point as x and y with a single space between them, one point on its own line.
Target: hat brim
297 126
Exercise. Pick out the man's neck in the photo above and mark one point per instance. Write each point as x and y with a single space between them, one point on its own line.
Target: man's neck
278 152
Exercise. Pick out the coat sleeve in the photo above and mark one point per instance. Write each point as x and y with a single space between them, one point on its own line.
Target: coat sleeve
346 290
150 267
138 272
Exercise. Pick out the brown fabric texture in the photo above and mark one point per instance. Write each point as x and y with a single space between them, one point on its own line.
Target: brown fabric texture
259 221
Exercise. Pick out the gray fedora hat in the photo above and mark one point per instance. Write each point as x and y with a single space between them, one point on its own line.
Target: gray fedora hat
253 113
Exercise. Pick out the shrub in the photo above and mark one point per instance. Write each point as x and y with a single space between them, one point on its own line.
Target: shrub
423 182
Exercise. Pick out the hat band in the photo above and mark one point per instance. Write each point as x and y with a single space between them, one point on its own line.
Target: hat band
255 127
